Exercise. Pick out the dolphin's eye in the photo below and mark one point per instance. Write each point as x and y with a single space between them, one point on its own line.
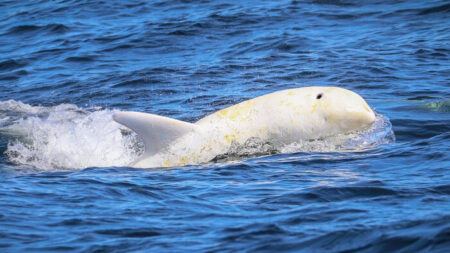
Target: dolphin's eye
319 96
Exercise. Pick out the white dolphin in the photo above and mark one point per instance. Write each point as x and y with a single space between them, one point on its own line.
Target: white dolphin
285 117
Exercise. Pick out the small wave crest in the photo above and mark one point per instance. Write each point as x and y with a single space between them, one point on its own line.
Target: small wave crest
65 137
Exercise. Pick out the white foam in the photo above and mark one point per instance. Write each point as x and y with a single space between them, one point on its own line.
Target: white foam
65 137
379 133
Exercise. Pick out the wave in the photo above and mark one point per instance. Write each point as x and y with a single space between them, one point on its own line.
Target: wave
50 28
11 64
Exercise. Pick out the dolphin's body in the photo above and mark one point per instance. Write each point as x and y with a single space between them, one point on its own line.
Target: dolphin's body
282 117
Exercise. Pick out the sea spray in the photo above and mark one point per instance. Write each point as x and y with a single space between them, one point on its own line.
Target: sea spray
66 137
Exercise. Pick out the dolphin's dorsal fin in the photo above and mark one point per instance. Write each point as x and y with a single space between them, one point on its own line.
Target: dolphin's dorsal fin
157 132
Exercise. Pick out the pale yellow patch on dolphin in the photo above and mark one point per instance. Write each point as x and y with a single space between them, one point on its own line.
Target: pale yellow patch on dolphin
230 138
238 112
330 89
183 161
264 128
313 110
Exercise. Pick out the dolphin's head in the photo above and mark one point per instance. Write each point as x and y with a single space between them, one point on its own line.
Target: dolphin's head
343 108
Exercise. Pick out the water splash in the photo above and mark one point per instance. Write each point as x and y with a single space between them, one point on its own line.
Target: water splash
65 137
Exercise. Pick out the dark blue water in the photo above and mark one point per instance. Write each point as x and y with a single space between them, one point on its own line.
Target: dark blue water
65 66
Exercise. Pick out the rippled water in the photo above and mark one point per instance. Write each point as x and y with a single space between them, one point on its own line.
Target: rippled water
65 66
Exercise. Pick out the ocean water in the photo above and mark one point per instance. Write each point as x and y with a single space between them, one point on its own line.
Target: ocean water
66 66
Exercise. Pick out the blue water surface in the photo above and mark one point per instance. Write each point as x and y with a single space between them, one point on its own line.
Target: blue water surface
66 65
